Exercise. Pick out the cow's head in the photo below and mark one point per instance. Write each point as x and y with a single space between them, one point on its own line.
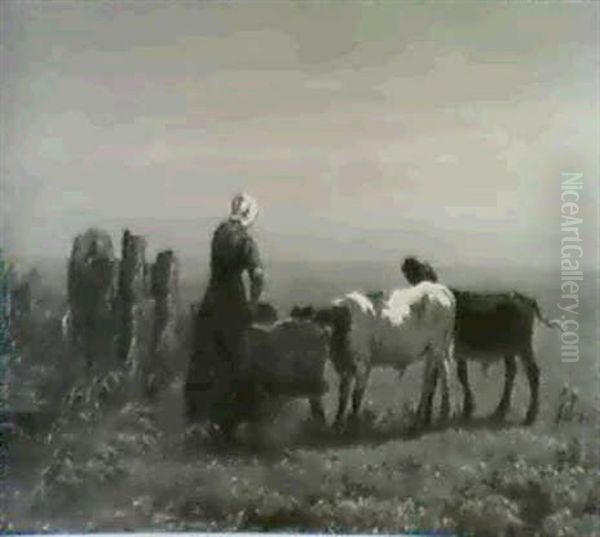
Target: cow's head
416 271
264 313
302 313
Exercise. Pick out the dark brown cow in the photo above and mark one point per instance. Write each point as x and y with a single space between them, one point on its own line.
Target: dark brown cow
490 326
285 360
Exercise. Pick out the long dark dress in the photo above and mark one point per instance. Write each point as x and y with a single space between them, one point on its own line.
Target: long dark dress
221 320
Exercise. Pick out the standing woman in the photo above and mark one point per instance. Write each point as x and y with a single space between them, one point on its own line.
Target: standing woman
226 310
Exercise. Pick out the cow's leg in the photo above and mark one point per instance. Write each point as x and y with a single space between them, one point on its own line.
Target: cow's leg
533 375
316 409
360 384
344 392
445 381
401 370
427 411
441 372
510 368
428 387
463 376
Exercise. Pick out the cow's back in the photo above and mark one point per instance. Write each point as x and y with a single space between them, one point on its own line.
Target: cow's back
289 356
493 320
413 319
356 336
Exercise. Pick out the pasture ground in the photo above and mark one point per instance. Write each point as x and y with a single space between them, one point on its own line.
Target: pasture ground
130 467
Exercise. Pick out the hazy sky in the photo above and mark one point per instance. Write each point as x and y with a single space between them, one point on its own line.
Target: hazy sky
364 129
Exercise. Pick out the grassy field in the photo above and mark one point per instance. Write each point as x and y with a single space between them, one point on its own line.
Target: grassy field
122 465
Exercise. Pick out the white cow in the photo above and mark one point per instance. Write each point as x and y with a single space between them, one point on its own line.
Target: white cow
395 331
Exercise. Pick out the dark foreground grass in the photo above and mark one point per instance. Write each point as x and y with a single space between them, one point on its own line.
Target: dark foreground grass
122 471
111 464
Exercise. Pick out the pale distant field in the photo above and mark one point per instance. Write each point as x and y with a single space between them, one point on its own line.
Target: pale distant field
138 468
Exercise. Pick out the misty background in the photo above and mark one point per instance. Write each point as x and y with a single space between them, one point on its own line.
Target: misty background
367 130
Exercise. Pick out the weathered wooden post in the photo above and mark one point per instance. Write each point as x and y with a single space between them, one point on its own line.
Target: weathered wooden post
6 340
91 294
7 347
164 289
131 303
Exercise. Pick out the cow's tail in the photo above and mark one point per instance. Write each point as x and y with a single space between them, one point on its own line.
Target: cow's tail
550 323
